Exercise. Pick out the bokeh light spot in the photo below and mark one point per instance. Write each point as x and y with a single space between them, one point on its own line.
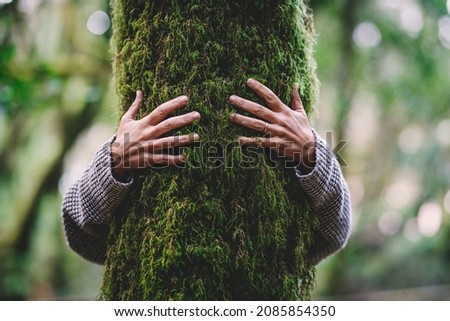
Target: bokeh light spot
367 35
429 219
98 23
411 19
403 191
444 31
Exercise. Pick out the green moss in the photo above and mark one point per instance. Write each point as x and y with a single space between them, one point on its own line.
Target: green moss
232 224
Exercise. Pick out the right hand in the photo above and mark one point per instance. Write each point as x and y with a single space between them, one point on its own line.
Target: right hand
141 144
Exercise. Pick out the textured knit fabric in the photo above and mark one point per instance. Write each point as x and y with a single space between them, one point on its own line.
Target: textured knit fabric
329 199
92 200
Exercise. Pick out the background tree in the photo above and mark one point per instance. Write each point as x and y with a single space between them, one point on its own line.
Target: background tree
231 224
48 96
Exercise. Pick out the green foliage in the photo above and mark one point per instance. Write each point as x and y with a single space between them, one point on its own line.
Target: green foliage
13 284
403 81
231 224
48 96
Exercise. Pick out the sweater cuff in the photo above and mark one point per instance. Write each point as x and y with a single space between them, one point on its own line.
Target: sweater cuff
105 155
110 192
314 181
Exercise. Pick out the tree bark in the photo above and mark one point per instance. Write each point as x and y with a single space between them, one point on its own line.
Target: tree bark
233 223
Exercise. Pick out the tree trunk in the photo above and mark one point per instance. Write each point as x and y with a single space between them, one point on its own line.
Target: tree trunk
232 224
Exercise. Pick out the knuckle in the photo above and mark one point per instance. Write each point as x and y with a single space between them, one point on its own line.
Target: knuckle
258 110
168 124
162 110
258 124
270 97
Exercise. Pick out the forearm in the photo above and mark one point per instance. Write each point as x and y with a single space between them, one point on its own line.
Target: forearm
89 204
329 199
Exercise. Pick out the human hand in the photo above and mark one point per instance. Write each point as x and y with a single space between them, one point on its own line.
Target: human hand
140 143
288 129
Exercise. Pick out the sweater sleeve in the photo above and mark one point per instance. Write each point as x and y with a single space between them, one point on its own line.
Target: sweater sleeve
88 206
90 202
329 198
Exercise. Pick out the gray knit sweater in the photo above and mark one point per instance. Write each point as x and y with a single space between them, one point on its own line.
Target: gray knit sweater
90 203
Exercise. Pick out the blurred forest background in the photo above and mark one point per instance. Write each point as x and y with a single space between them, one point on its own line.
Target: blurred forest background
384 67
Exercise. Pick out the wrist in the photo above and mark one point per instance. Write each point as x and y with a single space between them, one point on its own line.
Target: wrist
120 174
118 169
309 160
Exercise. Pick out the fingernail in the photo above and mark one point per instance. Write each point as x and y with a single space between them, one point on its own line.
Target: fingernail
232 116
250 81
232 98
184 99
196 137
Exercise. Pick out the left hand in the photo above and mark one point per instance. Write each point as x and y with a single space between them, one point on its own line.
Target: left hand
288 129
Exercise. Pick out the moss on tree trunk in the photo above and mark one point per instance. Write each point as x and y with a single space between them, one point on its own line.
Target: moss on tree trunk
232 224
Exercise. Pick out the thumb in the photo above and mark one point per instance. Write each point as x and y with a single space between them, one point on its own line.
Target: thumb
296 102
133 110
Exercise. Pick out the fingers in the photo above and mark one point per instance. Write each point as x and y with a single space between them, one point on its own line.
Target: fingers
296 102
156 152
259 142
133 110
258 125
274 143
172 142
252 107
165 109
249 122
175 122
281 147
266 94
